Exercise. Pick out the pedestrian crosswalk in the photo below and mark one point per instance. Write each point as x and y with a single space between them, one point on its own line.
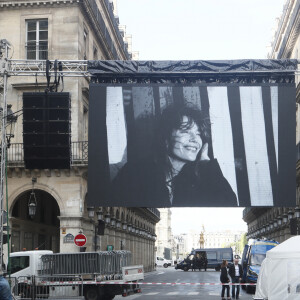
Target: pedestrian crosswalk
189 295
172 293
178 293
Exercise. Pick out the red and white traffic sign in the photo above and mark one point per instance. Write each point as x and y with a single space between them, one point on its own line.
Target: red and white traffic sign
80 240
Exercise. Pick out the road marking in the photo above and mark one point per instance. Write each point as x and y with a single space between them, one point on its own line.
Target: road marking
173 293
160 273
214 294
193 293
150 294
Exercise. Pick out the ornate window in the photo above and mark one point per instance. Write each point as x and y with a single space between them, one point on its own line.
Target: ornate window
37 39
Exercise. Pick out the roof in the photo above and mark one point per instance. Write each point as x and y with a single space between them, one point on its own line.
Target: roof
288 249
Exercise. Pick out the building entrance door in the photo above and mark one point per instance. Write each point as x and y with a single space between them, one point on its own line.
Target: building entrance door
40 231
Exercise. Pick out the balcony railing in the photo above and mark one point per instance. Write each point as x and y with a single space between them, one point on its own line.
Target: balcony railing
79 154
155 211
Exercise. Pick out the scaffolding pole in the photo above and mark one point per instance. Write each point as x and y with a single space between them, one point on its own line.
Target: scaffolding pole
4 48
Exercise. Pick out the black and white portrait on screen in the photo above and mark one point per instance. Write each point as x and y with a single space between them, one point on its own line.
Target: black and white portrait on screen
192 146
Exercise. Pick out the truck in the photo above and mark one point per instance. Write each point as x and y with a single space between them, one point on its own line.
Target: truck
214 257
253 255
85 275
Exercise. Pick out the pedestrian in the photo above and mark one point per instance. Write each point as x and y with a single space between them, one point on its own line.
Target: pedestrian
194 263
5 293
236 274
225 279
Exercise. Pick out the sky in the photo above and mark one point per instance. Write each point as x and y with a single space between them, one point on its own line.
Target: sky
196 30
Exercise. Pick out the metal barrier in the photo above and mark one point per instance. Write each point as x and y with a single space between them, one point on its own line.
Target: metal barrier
97 263
43 287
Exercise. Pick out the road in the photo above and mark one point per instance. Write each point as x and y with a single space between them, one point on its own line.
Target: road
157 292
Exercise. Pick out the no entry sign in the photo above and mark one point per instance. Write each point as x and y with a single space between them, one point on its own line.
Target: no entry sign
80 240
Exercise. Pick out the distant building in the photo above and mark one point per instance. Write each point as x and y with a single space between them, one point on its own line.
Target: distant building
180 249
164 233
212 239
220 239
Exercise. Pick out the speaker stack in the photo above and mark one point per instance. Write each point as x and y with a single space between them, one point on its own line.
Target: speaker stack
46 130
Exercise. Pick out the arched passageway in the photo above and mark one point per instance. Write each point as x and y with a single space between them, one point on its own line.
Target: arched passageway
38 232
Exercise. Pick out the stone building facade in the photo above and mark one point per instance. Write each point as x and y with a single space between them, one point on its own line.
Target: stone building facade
164 234
66 30
281 223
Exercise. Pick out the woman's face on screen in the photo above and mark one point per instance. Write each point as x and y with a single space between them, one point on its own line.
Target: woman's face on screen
186 141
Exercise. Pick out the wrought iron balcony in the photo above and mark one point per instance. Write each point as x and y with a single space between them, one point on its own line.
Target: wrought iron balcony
79 154
155 211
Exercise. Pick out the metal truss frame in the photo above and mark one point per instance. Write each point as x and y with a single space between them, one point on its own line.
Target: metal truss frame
19 67
25 67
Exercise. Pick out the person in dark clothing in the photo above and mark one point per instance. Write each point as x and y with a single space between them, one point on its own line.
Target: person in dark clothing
225 279
180 172
194 263
236 274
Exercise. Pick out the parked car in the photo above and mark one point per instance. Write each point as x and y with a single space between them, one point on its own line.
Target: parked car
162 262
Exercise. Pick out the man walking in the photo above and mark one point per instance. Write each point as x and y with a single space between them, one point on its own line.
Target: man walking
5 293
236 273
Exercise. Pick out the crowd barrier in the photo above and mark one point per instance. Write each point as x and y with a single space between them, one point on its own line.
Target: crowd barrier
43 287
101 263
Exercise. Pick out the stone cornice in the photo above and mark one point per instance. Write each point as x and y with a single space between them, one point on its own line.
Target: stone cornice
251 214
291 40
288 32
144 212
111 25
29 3
20 171
94 24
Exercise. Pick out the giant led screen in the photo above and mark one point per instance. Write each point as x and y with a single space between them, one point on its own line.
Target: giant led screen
196 145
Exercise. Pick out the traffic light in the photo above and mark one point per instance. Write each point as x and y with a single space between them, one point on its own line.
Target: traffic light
5 238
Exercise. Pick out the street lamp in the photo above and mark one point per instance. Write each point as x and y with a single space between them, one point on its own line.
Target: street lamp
118 224
285 218
99 215
107 219
113 222
91 212
11 121
297 212
32 203
290 214
124 226
279 221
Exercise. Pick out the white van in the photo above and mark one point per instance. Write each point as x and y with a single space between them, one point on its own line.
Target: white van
162 262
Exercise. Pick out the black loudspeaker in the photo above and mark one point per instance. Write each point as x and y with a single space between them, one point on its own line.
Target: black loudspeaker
46 130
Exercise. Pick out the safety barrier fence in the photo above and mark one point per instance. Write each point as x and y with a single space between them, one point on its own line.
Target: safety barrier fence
100 263
42 287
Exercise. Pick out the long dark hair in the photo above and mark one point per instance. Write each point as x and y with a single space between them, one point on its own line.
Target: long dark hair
224 262
171 119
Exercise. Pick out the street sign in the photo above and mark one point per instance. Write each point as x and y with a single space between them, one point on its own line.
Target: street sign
69 238
110 247
80 240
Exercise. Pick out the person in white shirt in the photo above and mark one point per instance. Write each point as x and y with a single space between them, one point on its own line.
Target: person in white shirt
236 273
